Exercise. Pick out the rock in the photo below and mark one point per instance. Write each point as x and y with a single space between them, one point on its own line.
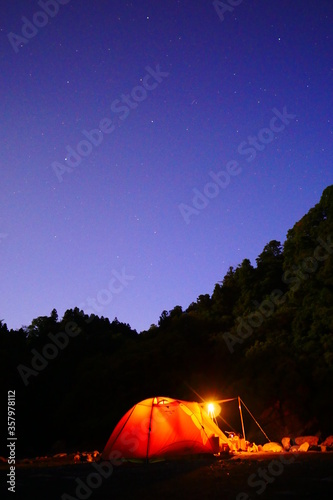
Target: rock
323 448
260 448
304 447
328 441
58 446
294 449
275 447
312 440
314 448
286 443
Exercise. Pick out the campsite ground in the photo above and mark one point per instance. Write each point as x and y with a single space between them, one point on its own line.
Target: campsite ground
241 477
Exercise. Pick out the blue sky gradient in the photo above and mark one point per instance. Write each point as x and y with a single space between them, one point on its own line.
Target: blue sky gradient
64 238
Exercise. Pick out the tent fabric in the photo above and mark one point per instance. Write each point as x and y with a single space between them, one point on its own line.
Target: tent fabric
161 426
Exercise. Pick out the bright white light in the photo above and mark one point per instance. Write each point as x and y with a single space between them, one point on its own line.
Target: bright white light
210 409
213 409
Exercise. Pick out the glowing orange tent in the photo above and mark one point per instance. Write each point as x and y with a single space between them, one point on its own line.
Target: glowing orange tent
160 427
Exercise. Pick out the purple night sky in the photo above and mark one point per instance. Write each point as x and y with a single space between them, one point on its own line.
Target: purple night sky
170 94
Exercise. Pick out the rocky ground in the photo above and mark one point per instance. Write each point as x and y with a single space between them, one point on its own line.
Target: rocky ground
239 477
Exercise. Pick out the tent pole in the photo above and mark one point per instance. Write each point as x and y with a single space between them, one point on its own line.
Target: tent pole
262 430
241 416
149 430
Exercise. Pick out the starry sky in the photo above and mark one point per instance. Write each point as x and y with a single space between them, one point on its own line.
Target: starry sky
148 146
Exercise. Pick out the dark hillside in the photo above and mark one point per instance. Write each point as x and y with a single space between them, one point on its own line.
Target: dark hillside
265 333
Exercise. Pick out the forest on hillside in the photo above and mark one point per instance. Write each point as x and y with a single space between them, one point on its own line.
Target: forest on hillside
265 333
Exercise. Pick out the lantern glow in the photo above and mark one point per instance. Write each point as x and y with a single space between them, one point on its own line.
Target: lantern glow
213 409
210 409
